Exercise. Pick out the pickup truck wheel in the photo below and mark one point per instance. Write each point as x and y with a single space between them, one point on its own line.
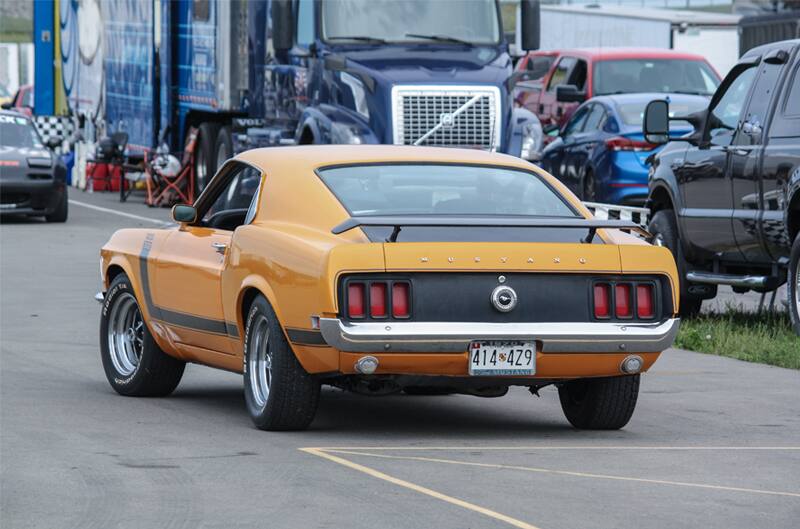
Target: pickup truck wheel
665 233
599 403
134 364
278 392
589 187
794 284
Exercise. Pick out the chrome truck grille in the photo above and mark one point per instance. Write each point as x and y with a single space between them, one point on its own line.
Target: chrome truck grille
447 116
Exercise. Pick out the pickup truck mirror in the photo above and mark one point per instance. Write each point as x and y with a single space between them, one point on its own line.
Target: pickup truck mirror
521 80
8 105
282 24
530 24
569 93
184 213
656 122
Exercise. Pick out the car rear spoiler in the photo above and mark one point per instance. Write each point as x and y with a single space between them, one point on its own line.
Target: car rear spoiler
452 221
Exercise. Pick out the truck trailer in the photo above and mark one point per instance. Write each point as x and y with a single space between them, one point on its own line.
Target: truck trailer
283 72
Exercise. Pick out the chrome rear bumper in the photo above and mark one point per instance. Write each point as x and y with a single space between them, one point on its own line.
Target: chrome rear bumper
454 337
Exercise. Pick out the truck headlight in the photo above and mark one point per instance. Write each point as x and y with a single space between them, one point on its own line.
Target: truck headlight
531 142
345 133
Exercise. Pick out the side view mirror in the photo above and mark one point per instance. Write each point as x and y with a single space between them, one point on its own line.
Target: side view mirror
530 24
569 93
521 80
8 105
656 122
184 213
282 25
550 128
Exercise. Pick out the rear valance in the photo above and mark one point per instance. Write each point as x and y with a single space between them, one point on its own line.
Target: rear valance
451 221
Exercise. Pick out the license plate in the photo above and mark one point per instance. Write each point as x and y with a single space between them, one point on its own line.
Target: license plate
502 358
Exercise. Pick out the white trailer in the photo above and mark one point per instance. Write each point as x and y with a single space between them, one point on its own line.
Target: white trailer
713 35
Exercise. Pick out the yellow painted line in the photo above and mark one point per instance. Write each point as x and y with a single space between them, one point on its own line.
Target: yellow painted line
422 490
557 447
567 473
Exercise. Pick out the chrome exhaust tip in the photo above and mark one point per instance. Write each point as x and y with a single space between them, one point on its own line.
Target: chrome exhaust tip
631 365
366 365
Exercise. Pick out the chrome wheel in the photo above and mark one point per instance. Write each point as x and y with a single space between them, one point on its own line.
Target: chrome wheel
797 290
125 334
260 361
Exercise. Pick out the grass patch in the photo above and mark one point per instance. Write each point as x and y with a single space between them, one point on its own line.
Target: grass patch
766 338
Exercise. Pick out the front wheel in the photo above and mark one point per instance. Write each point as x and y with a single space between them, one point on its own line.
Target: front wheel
62 210
135 365
599 403
278 392
794 284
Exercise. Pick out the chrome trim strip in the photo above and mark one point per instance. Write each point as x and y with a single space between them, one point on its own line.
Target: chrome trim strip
454 337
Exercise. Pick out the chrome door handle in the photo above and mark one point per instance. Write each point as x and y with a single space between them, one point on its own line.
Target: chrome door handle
220 247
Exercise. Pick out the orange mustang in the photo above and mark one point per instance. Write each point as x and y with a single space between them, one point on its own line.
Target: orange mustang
379 269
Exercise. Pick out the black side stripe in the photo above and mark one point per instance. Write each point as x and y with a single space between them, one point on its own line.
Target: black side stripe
180 319
305 337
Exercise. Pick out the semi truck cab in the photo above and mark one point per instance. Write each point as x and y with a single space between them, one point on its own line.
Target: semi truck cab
378 71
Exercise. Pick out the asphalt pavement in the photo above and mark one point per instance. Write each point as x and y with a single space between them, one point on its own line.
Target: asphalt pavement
714 442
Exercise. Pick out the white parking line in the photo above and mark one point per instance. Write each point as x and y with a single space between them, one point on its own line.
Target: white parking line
557 447
422 490
567 473
119 213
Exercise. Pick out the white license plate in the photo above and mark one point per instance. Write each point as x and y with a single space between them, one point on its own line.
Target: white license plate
502 358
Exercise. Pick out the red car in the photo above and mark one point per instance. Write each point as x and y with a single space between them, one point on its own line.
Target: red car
573 76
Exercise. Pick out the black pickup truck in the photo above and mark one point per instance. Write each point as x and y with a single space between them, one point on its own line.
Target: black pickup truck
726 198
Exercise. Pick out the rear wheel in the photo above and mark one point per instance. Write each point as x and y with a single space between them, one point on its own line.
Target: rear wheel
134 364
205 163
278 392
794 284
664 228
599 403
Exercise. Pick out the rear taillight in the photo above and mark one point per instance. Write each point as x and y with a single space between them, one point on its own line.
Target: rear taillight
602 300
645 308
400 300
622 300
620 143
377 300
355 300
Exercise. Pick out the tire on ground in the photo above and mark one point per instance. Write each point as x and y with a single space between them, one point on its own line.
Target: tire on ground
794 284
157 374
663 224
293 395
599 403
62 210
205 163
223 147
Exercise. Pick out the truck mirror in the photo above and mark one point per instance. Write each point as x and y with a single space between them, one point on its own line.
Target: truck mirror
529 14
656 122
569 93
282 25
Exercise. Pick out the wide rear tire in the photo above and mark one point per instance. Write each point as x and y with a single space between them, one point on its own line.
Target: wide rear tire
278 392
134 364
599 403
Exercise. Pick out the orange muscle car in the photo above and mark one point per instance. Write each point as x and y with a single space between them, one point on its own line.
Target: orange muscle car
380 269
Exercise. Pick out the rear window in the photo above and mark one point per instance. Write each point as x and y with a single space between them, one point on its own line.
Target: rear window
426 189
630 76
633 113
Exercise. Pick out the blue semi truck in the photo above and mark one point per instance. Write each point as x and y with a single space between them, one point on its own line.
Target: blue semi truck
281 72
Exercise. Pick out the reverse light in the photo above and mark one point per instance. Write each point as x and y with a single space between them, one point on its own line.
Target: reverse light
622 300
602 300
377 300
400 300
620 143
355 300
645 307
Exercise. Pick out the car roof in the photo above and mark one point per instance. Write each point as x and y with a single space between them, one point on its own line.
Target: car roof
764 48
619 99
604 54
